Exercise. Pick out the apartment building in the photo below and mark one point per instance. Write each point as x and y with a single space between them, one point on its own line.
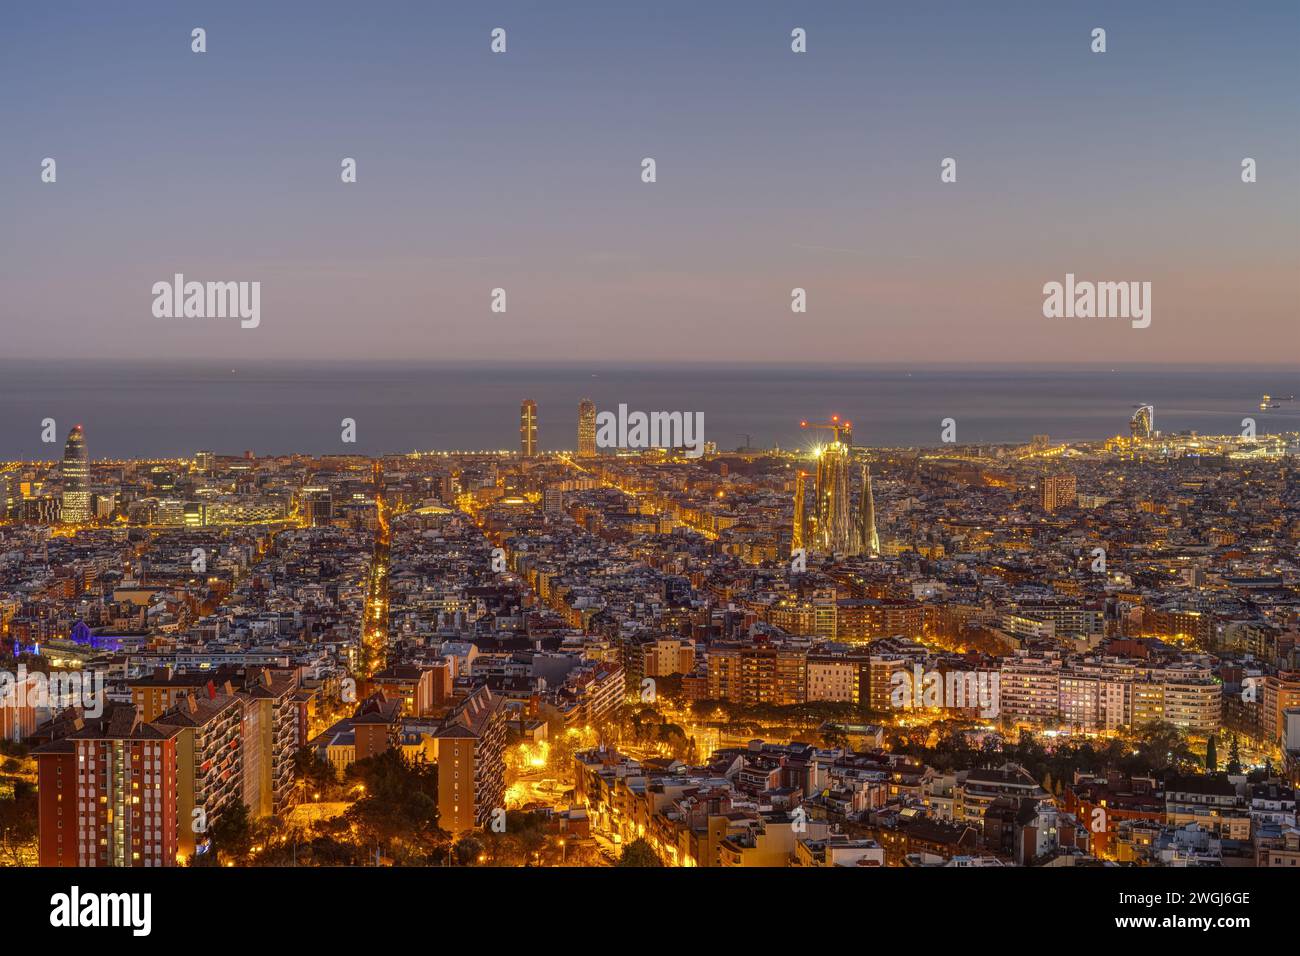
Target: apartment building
1278 848
270 732
165 688
666 657
471 770
769 839
1181 624
376 726
865 619
1105 693
17 715
1057 491
1054 618
1211 803
1103 804
839 850
1277 694
758 673
109 794
837 677
412 685
1095 698
589 693
209 763
884 662
1029 686
1192 700
973 795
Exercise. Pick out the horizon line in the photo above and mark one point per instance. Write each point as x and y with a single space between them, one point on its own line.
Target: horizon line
647 363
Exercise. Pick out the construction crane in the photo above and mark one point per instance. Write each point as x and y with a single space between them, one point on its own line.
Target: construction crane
841 429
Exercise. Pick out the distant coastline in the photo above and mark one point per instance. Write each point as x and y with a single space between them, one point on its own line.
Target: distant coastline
167 409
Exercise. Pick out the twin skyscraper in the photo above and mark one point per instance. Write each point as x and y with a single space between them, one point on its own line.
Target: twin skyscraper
586 429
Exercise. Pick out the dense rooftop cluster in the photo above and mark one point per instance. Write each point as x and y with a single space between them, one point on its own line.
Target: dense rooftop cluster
643 628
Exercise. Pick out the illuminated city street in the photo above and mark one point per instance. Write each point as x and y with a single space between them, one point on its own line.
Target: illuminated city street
473 464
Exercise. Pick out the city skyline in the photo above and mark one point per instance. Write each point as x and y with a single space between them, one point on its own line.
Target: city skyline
152 409
554 438
1122 596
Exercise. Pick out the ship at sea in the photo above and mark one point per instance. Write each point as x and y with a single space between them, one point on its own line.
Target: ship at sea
1268 403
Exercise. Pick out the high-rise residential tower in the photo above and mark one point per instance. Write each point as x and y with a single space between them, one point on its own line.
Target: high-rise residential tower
76 479
1058 491
209 760
120 777
528 429
471 770
586 429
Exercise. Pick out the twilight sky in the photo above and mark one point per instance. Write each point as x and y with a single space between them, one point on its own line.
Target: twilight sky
775 170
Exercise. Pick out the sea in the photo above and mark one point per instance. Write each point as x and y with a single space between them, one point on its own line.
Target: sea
158 410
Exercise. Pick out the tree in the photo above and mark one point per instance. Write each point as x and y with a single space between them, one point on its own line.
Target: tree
835 738
231 835
639 853
1163 746
467 850
674 738
318 775
1234 755
523 839
11 748
19 829
1211 755
399 808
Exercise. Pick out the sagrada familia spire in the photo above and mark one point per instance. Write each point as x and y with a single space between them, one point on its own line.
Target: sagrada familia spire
868 540
831 525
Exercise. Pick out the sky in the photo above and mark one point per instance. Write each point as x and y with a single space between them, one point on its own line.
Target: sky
775 170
